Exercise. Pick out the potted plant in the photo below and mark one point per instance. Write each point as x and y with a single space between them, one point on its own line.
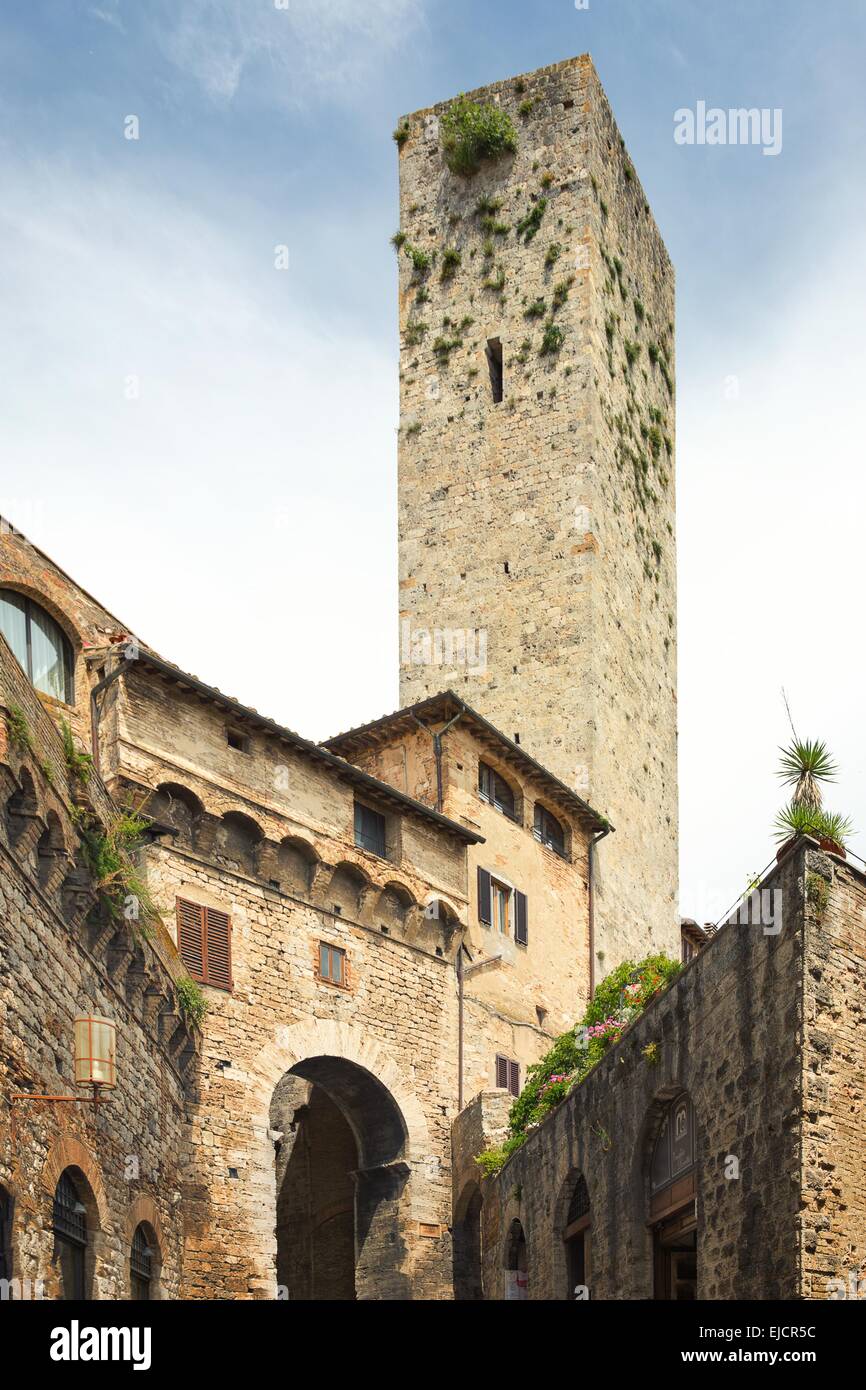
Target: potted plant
804 765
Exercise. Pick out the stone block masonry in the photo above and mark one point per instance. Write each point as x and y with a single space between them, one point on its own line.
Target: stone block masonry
765 1033
544 521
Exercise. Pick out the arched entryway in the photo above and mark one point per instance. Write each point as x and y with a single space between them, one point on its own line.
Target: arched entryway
673 1203
577 1241
516 1265
466 1238
341 1173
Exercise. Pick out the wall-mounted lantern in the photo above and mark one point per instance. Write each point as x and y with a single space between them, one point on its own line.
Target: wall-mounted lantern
95 1048
94 1052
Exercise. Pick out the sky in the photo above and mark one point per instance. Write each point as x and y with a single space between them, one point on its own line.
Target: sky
207 443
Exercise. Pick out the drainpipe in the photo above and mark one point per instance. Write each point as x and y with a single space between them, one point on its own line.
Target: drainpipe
462 973
95 709
591 887
437 752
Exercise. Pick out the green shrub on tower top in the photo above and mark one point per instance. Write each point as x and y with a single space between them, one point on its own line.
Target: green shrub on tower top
472 132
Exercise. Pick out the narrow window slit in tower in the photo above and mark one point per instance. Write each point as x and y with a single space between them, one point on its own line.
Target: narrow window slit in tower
494 362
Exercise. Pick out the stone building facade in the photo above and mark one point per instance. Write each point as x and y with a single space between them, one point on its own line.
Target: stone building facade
345 1023
758 1052
536 468
387 930
61 956
523 984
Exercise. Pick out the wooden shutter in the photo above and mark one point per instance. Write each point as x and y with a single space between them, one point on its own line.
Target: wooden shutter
218 948
502 1072
514 1078
204 941
484 913
190 937
521 924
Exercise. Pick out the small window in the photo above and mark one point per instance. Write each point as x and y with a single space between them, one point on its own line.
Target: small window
494 363
496 790
501 905
548 831
5 1234
70 1239
235 739
369 830
332 964
508 1074
204 938
141 1263
40 645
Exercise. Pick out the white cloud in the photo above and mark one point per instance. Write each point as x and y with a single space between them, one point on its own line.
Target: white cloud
292 53
240 511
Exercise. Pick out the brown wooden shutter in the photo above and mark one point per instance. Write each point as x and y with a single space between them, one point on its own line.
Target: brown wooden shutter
218 948
514 1078
204 941
502 1072
190 937
521 923
484 913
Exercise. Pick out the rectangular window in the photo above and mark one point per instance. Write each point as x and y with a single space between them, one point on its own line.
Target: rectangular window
501 907
507 1074
204 942
369 830
235 739
494 363
332 964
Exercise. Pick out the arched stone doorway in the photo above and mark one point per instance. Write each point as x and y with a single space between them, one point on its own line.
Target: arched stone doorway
467 1245
340 1178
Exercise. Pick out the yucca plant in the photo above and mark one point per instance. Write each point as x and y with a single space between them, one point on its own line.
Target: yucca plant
797 819
804 765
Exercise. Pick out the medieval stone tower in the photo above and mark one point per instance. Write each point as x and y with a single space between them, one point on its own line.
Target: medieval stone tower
536 462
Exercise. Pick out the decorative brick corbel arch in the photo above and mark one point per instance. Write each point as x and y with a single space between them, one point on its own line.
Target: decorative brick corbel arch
69 1152
145 1209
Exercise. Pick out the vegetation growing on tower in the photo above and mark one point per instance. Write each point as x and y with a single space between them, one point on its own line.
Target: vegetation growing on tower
473 132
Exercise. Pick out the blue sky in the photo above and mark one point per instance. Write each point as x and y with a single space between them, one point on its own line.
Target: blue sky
208 444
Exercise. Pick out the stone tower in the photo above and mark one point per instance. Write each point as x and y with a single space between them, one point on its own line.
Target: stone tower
536 464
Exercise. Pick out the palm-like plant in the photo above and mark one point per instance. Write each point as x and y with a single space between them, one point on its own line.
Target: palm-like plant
804 765
797 819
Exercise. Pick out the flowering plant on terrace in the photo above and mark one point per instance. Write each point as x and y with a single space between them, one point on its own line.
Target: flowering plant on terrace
616 1003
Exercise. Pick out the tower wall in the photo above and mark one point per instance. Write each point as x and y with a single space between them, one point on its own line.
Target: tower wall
537 546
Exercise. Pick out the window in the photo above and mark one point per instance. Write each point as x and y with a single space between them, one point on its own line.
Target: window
204 940
516 1265
332 964
673 1213
5 1234
369 830
502 907
39 643
141 1263
235 739
576 1237
70 1238
496 790
507 1074
548 831
494 363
